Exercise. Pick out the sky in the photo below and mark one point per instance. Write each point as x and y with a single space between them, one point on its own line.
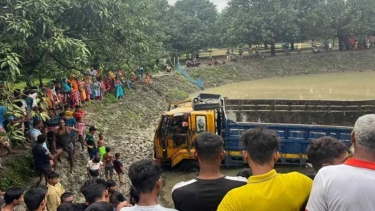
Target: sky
220 4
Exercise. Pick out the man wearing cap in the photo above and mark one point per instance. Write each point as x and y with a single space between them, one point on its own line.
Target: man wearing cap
90 142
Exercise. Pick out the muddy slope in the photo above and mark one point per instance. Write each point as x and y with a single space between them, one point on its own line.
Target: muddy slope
127 124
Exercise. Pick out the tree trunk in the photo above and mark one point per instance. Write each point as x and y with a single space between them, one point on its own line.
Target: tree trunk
273 48
343 39
265 46
40 81
292 46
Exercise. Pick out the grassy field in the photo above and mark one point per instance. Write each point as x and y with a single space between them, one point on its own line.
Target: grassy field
217 52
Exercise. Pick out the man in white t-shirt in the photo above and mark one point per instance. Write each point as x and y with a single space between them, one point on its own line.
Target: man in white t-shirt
145 177
349 187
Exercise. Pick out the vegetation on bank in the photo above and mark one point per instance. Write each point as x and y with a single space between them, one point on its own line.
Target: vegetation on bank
18 173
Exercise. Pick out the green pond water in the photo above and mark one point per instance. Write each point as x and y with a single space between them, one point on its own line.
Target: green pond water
334 86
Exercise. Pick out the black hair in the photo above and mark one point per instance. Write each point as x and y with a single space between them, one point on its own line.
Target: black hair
96 159
79 206
93 190
324 150
144 174
16 93
41 139
110 183
100 206
78 106
66 207
208 145
26 92
134 196
53 175
65 195
246 172
107 149
114 198
117 155
13 194
19 104
37 122
62 114
261 144
34 197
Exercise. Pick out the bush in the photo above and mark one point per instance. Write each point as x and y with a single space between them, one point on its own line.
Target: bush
20 171
177 94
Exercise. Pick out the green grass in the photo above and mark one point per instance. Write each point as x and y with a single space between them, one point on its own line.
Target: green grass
217 52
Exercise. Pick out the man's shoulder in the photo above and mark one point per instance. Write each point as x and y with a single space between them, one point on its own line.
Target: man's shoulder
236 179
183 184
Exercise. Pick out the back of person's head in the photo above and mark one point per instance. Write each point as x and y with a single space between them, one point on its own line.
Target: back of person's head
35 198
245 173
364 133
326 151
114 199
134 196
100 206
13 195
209 146
41 139
145 175
67 197
66 207
117 155
110 183
108 149
96 159
261 145
94 190
79 206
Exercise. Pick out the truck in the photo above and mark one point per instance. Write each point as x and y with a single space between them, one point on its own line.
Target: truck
296 123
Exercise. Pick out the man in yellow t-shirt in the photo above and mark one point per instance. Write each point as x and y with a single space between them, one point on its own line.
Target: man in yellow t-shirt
266 189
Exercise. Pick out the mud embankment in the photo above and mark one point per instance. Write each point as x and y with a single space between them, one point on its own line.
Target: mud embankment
127 124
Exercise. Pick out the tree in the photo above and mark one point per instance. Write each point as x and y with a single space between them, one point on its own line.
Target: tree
192 25
265 21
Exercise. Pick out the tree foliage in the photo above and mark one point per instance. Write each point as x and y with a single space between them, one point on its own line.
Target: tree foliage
270 21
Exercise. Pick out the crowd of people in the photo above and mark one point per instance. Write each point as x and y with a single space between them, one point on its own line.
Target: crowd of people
342 181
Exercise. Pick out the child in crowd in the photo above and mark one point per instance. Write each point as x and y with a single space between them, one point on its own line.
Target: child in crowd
108 160
78 112
81 127
119 168
55 190
101 146
90 142
42 158
93 166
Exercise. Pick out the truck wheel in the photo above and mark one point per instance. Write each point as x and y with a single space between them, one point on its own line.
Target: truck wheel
189 166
